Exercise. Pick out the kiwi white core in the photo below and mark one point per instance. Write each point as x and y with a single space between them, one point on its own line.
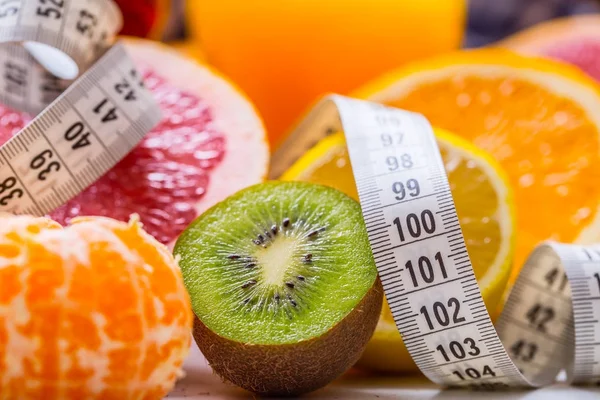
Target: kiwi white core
275 259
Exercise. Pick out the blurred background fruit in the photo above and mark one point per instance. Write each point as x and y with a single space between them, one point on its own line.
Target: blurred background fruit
537 117
575 40
485 207
144 18
286 54
493 20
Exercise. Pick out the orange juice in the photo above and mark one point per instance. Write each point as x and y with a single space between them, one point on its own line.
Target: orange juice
285 54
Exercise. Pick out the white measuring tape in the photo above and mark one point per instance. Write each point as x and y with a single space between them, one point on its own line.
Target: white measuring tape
82 128
551 319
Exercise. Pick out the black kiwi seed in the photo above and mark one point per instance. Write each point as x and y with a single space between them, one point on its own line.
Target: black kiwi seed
261 238
274 229
301 278
233 257
256 242
290 285
308 258
250 265
292 302
315 232
286 222
248 284
277 297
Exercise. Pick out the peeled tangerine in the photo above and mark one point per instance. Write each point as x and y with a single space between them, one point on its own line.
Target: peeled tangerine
96 310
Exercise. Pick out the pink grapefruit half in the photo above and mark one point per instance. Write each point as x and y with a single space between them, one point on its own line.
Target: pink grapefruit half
209 144
575 40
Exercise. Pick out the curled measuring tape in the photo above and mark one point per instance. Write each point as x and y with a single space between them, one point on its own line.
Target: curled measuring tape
550 321
83 127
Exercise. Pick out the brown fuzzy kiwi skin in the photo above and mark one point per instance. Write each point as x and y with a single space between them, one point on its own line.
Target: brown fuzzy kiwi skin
293 369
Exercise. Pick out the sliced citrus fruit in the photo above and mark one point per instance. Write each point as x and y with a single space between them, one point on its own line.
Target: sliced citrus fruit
574 39
537 117
485 208
209 144
95 310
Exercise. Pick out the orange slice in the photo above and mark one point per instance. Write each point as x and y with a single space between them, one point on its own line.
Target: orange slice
538 118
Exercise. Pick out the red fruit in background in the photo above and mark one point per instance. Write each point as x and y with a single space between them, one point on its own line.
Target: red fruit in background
143 18
575 40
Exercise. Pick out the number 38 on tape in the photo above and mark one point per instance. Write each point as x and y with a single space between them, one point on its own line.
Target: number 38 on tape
550 320
84 126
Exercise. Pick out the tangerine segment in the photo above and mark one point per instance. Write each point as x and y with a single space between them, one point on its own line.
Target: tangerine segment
95 310
534 116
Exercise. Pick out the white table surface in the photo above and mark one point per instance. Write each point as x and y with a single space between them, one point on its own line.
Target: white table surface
201 383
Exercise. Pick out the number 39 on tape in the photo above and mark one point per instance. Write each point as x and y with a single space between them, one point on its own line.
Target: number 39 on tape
550 320
84 126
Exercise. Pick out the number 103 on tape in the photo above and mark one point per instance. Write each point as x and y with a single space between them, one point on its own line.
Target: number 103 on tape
550 320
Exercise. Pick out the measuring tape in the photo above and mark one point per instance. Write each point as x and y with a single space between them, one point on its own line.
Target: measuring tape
550 320
83 127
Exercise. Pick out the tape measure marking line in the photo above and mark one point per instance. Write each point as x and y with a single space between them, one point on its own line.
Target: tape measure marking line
20 144
380 235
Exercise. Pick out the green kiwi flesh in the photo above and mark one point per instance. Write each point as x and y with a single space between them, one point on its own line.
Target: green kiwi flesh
283 285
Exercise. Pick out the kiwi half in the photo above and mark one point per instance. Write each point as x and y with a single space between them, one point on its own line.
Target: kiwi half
283 285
